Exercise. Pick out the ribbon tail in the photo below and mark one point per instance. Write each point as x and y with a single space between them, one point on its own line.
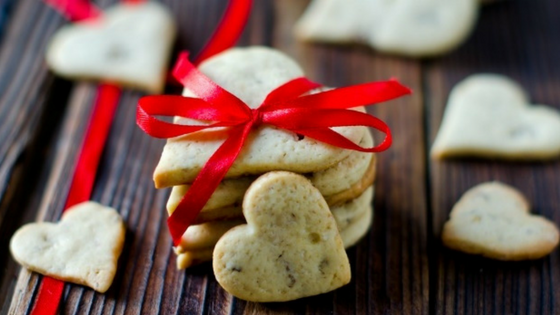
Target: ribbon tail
50 294
206 182
167 105
51 290
353 96
230 29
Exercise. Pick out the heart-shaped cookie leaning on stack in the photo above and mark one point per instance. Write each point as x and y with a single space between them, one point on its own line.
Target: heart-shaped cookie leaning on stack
490 116
343 177
493 220
414 28
129 44
290 247
83 248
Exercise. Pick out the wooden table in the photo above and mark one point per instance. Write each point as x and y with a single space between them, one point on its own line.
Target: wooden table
399 268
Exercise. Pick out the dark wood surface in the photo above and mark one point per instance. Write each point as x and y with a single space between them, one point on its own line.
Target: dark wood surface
399 268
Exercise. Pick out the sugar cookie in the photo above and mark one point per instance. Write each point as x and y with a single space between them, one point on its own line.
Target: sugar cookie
290 247
82 248
206 235
416 28
493 220
352 176
490 116
116 47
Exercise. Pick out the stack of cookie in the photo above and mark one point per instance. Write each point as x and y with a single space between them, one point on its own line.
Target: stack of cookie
344 178
346 186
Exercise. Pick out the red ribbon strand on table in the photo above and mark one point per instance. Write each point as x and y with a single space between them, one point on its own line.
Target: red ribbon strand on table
287 107
228 31
50 291
75 10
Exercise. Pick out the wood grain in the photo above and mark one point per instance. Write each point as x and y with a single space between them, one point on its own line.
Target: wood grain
526 50
399 268
395 252
21 61
26 100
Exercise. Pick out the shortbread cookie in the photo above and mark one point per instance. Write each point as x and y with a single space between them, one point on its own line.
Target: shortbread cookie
229 193
226 200
130 44
358 228
250 74
493 220
346 214
290 247
350 236
207 234
193 258
357 188
82 248
416 28
490 116
342 182
235 211
344 174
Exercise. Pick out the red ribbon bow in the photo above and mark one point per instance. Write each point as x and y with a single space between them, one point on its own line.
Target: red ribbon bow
310 115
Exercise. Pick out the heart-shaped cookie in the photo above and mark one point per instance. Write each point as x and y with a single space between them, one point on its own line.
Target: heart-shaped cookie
83 248
350 235
493 220
417 28
250 74
207 234
490 116
290 247
129 45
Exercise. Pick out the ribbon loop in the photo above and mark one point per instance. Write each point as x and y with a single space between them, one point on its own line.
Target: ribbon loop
204 88
289 91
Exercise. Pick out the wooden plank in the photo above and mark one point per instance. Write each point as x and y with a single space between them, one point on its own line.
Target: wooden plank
53 197
25 86
112 181
390 265
24 82
5 10
516 38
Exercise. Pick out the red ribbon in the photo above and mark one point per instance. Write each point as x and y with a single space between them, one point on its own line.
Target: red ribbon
50 291
229 30
285 108
75 10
